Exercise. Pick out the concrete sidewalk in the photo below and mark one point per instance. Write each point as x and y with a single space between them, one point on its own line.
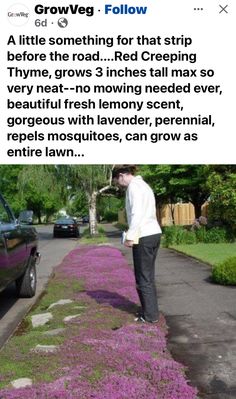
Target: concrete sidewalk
201 317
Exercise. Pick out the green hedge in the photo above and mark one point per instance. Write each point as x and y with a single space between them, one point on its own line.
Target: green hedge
177 235
225 272
216 235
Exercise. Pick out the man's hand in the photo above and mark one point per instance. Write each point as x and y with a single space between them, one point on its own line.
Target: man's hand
128 243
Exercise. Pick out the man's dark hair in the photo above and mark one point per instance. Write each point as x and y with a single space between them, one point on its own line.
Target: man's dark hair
123 169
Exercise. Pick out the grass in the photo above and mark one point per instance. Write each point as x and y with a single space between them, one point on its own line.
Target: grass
17 358
209 253
57 289
100 238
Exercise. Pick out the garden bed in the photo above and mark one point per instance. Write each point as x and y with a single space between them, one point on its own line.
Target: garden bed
98 350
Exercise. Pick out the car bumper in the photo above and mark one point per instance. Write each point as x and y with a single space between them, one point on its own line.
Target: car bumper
65 232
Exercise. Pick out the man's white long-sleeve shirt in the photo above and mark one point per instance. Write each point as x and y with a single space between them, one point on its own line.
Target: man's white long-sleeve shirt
141 210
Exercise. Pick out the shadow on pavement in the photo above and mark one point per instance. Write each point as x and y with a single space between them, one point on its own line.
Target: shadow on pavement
113 234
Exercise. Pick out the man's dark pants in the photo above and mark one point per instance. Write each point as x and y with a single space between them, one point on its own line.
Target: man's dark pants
144 256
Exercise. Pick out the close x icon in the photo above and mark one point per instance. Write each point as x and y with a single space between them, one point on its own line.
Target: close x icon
223 8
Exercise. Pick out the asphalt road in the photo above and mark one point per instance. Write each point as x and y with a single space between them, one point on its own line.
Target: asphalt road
12 309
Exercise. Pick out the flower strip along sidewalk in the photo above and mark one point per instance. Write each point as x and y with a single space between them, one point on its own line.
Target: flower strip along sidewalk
102 353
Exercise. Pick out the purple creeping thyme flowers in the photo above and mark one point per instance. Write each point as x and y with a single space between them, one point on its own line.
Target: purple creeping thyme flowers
106 355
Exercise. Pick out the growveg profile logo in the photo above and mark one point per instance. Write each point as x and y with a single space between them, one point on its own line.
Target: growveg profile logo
18 14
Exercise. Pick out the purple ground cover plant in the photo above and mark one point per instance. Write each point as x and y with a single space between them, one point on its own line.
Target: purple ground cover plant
110 356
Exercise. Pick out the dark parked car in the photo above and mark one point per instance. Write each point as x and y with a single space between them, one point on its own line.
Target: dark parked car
66 227
18 253
85 219
26 217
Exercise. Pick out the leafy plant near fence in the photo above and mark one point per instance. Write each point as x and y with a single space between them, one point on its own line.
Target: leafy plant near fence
177 235
225 272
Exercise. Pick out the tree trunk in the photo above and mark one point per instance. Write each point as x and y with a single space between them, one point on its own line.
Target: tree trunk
172 212
39 217
92 199
93 214
198 210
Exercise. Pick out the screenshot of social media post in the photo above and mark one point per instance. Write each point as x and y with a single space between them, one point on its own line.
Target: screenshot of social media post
139 82
117 199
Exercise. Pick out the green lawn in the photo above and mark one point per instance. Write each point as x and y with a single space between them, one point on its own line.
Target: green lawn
210 253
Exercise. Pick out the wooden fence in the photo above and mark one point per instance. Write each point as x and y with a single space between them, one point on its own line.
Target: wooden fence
180 214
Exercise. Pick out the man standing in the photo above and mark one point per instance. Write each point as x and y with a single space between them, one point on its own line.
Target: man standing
143 235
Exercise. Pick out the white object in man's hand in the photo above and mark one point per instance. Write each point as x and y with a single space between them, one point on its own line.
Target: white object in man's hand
123 237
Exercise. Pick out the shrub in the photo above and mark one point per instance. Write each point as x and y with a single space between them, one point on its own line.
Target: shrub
216 235
225 272
201 233
171 234
188 237
222 206
176 235
121 226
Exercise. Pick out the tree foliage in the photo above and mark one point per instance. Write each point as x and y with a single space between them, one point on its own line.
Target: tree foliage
222 205
174 183
8 186
92 180
40 190
77 205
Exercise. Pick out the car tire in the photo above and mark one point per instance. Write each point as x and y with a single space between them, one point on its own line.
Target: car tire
26 284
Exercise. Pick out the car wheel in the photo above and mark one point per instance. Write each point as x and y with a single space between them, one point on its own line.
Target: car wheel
26 284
